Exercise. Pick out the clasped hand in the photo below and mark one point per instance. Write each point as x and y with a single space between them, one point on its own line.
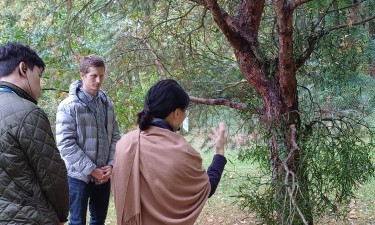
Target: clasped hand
102 174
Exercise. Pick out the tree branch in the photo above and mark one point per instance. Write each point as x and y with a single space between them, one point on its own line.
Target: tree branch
344 8
236 37
250 16
307 52
350 25
299 2
171 19
54 89
314 39
234 85
156 59
219 101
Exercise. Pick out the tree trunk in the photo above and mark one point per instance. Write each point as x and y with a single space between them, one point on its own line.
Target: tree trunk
283 121
275 80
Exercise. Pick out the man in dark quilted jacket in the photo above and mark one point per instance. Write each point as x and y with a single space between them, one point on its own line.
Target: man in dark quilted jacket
33 177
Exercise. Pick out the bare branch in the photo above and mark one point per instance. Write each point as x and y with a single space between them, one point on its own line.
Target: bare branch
218 101
201 25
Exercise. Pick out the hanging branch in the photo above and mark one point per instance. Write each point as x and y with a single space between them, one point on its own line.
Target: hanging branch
156 59
218 101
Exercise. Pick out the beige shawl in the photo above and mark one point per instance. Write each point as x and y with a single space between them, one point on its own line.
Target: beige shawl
158 178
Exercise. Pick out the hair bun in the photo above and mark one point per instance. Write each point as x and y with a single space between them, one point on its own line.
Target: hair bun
144 119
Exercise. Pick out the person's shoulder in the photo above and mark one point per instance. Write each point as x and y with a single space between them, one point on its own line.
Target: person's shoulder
22 103
69 101
17 105
32 112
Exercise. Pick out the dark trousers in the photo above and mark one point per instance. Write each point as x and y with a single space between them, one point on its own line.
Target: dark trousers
82 194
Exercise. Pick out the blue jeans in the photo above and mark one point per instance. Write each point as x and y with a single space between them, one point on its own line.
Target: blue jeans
82 194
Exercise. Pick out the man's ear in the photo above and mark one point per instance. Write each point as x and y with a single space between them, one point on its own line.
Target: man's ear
177 112
22 68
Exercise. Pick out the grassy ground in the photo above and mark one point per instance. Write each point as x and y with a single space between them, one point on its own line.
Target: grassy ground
220 209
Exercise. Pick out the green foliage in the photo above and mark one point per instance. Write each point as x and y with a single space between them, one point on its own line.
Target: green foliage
335 158
337 155
129 101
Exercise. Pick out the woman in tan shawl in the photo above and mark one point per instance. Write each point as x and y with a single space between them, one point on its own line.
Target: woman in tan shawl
158 177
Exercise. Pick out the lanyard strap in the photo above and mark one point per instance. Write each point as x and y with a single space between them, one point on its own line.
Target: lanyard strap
5 89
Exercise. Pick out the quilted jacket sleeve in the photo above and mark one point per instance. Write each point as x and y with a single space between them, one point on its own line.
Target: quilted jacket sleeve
115 137
37 140
67 140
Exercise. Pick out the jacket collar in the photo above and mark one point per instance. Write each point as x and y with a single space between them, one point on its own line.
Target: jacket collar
76 90
20 92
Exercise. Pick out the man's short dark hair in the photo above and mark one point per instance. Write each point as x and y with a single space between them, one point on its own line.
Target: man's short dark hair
90 61
12 54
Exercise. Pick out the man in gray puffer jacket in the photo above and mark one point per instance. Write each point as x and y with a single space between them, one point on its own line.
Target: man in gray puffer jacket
33 177
86 134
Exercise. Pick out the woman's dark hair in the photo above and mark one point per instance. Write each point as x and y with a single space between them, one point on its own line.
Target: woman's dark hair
12 54
163 98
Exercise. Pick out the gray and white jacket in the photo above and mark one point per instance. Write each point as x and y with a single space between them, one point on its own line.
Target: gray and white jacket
77 134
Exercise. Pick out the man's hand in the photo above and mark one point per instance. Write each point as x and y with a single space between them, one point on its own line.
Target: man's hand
107 171
97 173
103 174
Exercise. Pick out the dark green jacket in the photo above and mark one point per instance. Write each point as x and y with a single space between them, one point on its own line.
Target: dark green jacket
33 177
